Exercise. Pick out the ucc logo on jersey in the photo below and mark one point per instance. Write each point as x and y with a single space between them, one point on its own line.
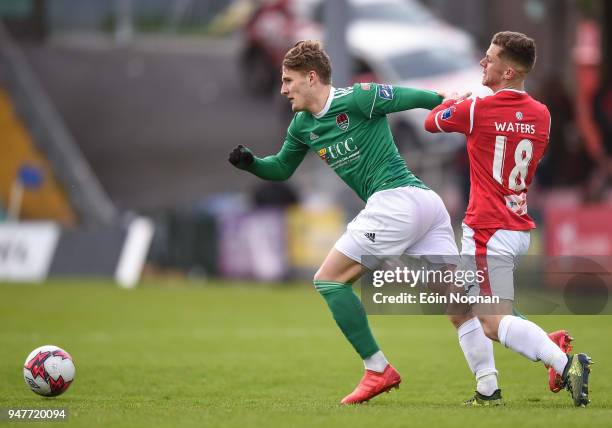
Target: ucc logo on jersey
342 120
448 113
338 150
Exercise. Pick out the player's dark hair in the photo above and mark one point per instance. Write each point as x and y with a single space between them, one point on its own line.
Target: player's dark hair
516 47
308 55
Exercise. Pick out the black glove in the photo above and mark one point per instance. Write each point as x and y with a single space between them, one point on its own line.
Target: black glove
241 157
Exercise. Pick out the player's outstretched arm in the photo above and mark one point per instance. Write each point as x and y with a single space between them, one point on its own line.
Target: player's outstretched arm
377 99
277 167
432 122
455 96
410 98
453 115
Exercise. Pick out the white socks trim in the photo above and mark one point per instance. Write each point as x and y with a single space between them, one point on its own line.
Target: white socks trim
529 340
478 351
376 362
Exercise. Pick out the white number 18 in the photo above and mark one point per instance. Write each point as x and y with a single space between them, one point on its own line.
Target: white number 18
522 157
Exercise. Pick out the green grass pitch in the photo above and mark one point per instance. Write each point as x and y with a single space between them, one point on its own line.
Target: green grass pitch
178 354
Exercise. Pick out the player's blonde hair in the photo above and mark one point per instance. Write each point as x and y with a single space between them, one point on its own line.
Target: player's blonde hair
308 55
516 47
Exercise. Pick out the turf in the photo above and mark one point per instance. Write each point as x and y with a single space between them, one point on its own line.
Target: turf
211 354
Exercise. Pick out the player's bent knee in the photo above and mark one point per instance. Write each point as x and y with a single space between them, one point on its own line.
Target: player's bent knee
343 274
323 276
320 275
459 319
490 327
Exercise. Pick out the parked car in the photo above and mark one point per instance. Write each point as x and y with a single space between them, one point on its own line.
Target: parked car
393 41
441 58
278 24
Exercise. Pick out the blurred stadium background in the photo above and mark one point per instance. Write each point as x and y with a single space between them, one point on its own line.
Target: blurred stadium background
116 118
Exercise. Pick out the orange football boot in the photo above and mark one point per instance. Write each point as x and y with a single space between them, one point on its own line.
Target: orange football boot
563 341
372 384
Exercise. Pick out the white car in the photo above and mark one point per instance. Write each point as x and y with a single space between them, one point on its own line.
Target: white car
405 12
276 25
439 58
399 42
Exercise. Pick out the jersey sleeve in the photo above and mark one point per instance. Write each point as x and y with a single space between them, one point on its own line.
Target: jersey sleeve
376 99
452 117
281 166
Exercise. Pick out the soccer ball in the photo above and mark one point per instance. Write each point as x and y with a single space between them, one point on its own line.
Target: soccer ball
48 370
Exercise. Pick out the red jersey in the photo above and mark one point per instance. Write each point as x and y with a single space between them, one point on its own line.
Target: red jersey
507 134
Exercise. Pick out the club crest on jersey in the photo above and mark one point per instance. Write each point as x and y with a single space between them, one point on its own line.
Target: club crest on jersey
323 154
519 115
448 113
342 120
385 92
365 86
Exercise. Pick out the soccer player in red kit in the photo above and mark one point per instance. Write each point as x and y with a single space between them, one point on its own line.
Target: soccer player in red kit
507 134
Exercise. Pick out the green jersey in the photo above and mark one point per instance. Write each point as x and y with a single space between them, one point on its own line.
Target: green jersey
351 134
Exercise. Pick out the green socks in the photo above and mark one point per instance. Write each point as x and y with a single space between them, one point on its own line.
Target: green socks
349 315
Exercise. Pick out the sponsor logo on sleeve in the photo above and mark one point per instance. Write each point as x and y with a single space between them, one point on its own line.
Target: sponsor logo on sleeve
385 92
342 120
448 113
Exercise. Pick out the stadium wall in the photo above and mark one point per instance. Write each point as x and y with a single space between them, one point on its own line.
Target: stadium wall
35 251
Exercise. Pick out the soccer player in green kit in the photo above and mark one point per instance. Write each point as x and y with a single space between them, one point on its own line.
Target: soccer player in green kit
348 129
